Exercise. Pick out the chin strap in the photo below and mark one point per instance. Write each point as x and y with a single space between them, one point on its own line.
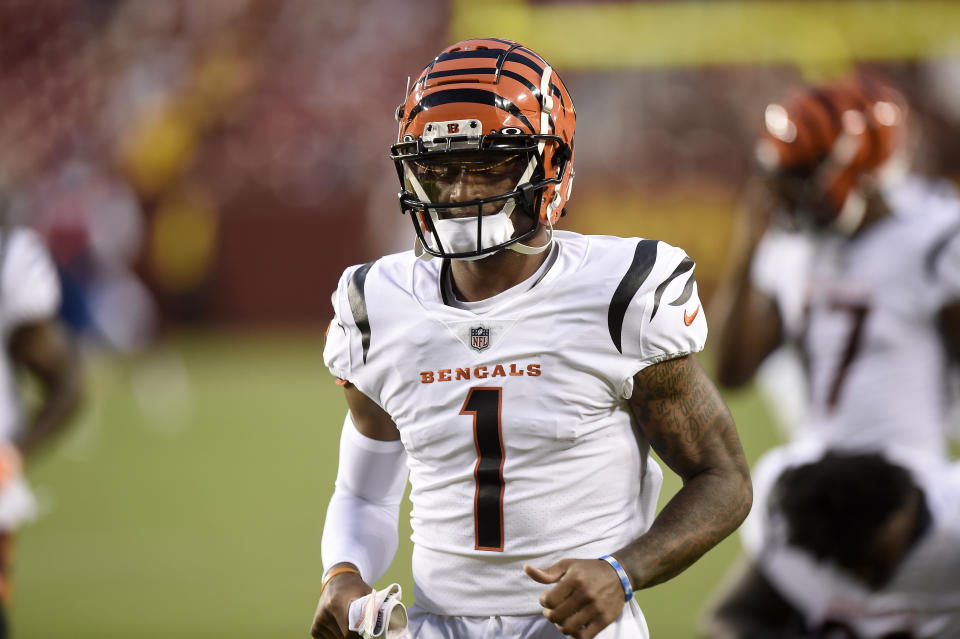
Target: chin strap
422 255
526 249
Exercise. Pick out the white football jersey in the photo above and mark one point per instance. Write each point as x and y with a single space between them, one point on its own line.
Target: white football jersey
864 312
922 599
518 436
29 292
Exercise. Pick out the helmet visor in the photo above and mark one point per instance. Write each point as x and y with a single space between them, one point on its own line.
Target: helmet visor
468 176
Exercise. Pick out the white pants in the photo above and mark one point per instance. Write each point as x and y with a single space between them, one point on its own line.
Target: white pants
424 625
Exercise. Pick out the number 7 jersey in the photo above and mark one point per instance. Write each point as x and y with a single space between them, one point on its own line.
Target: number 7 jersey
865 313
519 440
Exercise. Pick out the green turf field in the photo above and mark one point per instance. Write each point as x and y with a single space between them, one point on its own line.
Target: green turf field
188 500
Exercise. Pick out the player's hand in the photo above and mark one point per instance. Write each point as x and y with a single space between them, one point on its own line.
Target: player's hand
330 620
585 598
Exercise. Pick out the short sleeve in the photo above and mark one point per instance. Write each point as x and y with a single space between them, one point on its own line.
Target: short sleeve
664 318
30 286
677 324
338 347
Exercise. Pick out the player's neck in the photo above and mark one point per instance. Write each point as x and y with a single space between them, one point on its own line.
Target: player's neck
481 279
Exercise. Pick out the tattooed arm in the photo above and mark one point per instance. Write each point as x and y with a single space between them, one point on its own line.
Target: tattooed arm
681 414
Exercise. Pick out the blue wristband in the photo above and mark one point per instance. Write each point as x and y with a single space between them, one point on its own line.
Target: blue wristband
624 580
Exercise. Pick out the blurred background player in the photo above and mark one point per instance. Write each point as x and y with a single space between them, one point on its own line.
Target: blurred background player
522 375
866 281
865 284
93 225
850 545
35 343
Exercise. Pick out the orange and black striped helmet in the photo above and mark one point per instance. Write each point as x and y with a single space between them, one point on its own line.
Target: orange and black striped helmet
495 97
821 142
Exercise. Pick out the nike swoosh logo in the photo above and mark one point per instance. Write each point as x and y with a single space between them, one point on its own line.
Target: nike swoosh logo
688 319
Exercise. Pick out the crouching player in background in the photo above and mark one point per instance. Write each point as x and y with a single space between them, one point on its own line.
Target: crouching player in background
35 342
522 375
848 545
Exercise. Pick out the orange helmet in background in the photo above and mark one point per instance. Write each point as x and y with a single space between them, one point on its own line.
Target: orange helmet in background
494 97
822 142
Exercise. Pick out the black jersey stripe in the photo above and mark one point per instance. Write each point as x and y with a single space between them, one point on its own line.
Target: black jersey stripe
644 258
473 96
444 275
685 265
358 305
933 255
687 292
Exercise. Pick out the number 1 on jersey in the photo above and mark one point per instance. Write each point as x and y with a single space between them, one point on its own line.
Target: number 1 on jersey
484 404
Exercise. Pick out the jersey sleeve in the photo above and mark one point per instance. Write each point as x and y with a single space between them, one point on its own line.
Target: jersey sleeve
30 287
665 318
342 348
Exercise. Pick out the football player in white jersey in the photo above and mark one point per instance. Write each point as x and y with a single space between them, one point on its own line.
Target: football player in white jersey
36 342
521 375
868 293
849 545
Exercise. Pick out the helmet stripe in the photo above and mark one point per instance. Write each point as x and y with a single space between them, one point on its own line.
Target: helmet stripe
510 74
522 59
470 54
452 72
507 42
472 96
812 130
828 104
515 45
514 56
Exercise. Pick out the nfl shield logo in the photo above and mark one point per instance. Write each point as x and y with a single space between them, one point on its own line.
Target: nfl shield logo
479 338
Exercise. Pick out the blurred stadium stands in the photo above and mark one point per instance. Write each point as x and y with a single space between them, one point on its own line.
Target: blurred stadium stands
254 133
231 156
